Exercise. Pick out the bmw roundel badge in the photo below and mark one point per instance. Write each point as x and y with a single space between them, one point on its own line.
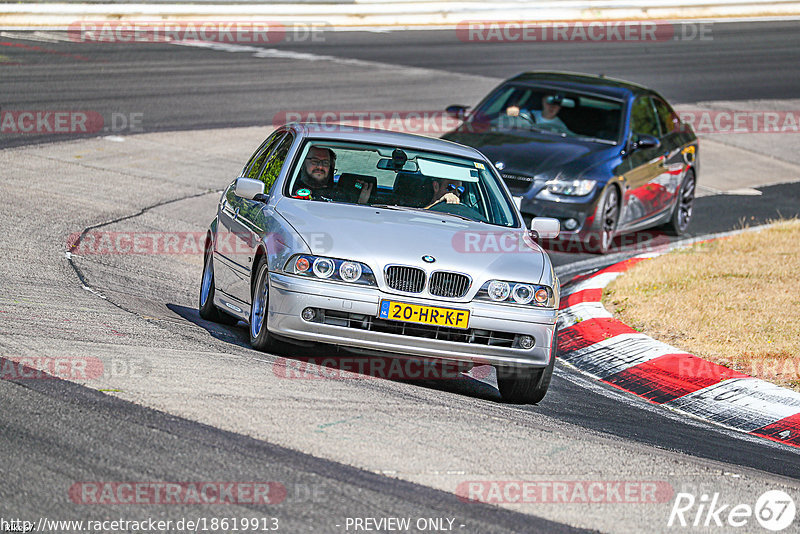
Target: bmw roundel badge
427 258
500 165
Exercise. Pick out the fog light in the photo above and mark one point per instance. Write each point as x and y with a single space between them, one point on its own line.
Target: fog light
308 314
570 224
526 342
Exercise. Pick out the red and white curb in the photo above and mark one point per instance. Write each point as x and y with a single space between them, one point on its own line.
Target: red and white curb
594 342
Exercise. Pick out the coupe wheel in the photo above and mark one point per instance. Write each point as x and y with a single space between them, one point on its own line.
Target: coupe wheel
607 219
260 338
684 207
524 386
206 306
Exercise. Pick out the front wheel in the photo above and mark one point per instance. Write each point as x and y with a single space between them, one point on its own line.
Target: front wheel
684 207
526 386
606 221
260 338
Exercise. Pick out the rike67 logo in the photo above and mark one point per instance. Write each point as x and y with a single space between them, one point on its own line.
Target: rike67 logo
774 511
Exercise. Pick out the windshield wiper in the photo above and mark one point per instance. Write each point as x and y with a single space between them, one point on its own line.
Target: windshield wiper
597 140
425 210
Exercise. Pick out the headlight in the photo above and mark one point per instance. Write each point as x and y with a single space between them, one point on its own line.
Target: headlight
518 293
498 290
576 188
322 268
350 271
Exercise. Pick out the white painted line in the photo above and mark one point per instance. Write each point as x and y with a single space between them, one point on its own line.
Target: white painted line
274 53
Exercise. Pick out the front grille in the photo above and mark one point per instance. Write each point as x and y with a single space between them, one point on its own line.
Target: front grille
450 285
517 183
366 322
408 279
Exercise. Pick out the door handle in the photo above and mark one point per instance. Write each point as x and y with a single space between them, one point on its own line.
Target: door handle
236 214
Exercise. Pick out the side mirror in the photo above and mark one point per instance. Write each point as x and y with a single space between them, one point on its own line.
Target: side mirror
646 141
545 227
458 112
249 188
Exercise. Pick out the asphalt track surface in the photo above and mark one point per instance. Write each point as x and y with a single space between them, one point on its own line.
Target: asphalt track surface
56 433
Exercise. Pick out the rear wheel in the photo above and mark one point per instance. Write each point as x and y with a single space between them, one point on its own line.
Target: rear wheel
524 386
606 222
208 311
260 338
684 207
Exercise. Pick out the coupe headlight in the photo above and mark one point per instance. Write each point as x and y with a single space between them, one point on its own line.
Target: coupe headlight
575 188
518 293
322 268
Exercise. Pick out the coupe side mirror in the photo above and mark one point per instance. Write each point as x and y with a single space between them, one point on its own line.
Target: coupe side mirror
545 227
249 188
458 112
646 141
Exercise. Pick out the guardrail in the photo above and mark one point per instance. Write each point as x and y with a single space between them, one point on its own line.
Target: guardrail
384 13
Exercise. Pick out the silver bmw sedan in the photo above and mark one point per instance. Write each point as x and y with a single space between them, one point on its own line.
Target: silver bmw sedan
384 242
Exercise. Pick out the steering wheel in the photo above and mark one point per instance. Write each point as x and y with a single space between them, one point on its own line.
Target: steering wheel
527 115
459 209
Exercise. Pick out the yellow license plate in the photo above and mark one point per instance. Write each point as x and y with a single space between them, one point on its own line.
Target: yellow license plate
414 313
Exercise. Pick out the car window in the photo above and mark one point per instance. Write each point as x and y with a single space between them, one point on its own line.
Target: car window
256 163
643 118
273 167
521 107
667 118
479 192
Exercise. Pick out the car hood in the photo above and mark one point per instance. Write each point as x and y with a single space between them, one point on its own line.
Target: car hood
379 237
535 154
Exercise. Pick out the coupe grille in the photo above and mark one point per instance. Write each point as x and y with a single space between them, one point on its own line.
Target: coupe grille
408 279
450 285
517 183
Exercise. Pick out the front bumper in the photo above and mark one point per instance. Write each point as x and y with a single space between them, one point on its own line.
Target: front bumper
290 295
562 207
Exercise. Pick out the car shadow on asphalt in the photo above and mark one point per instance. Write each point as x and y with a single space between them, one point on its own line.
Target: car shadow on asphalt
329 362
236 334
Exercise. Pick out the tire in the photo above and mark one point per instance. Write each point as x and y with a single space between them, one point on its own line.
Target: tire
684 207
208 311
607 220
260 338
529 386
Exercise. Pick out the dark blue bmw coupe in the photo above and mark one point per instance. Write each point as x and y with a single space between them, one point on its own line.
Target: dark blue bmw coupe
606 157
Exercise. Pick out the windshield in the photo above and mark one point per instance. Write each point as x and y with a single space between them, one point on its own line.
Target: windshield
564 113
399 178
